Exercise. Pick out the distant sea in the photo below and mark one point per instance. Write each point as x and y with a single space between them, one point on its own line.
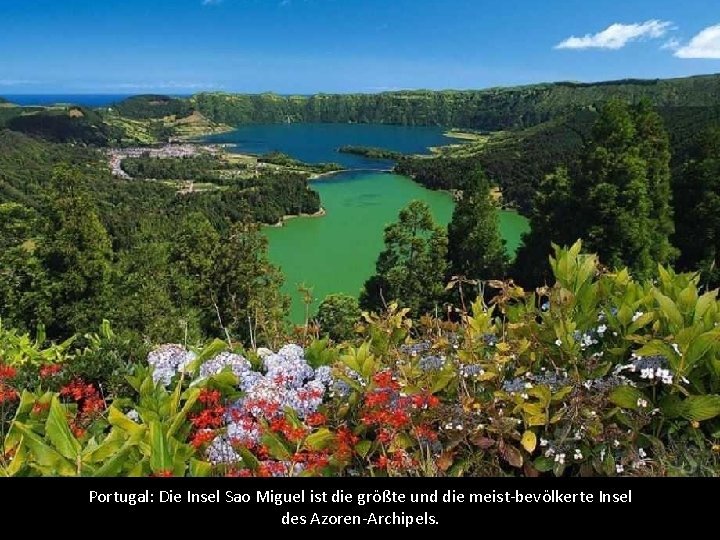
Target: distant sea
86 100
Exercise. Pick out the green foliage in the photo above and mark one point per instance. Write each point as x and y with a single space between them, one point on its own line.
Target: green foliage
70 125
618 200
152 106
475 248
337 316
244 287
411 268
607 376
696 195
370 152
77 255
491 109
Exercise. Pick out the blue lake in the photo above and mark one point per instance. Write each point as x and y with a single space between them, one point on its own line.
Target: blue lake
317 143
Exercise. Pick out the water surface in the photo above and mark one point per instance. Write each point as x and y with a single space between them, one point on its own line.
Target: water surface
336 253
318 143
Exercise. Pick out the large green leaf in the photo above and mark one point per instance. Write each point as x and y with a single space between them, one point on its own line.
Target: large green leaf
626 397
319 440
668 309
58 431
200 468
701 408
44 455
160 460
114 465
699 347
191 396
249 459
120 420
275 446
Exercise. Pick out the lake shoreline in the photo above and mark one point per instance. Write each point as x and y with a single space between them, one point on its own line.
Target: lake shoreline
320 213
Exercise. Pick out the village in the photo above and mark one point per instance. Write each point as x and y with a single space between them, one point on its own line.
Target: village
170 150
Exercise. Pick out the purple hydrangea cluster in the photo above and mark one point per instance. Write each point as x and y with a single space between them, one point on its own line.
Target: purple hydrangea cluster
238 365
168 360
288 381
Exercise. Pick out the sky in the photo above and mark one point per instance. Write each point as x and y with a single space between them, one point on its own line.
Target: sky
308 46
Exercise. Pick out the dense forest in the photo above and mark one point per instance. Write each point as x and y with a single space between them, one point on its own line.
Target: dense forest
493 109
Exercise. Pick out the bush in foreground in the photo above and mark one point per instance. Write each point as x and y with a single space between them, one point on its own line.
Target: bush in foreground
597 375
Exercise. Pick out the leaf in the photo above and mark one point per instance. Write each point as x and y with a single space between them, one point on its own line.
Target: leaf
511 454
249 459
483 442
699 408
669 309
544 464
200 469
320 440
275 446
699 347
626 397
191 396
120 420
114 465
363 447
58 431
529 441
442 380
160 459
45 455
703 304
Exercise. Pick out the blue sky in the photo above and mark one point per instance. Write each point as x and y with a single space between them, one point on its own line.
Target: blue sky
306 46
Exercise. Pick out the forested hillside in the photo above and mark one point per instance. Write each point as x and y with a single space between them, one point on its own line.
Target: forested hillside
492 110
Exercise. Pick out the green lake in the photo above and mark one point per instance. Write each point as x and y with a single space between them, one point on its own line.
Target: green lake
337 252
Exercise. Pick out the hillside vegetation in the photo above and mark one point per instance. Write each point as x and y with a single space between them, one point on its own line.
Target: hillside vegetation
491 110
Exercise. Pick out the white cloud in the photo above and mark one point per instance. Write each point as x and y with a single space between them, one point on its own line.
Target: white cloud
706 44
672 44
617 35
211 2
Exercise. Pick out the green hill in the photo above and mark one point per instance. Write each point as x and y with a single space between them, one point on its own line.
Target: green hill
490 109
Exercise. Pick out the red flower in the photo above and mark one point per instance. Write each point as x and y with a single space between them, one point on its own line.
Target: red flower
166 473
7 372
377 399
202 437
316 419
49 370
242 473
7 393
384 379
209 398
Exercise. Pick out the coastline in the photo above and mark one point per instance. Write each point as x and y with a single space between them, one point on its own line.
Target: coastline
320 213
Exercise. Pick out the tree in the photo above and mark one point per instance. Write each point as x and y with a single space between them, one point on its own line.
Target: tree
476 249
246 287
77 256
618 200
654 145
553 219
412 267
337 316
697 202
24 299
623 190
